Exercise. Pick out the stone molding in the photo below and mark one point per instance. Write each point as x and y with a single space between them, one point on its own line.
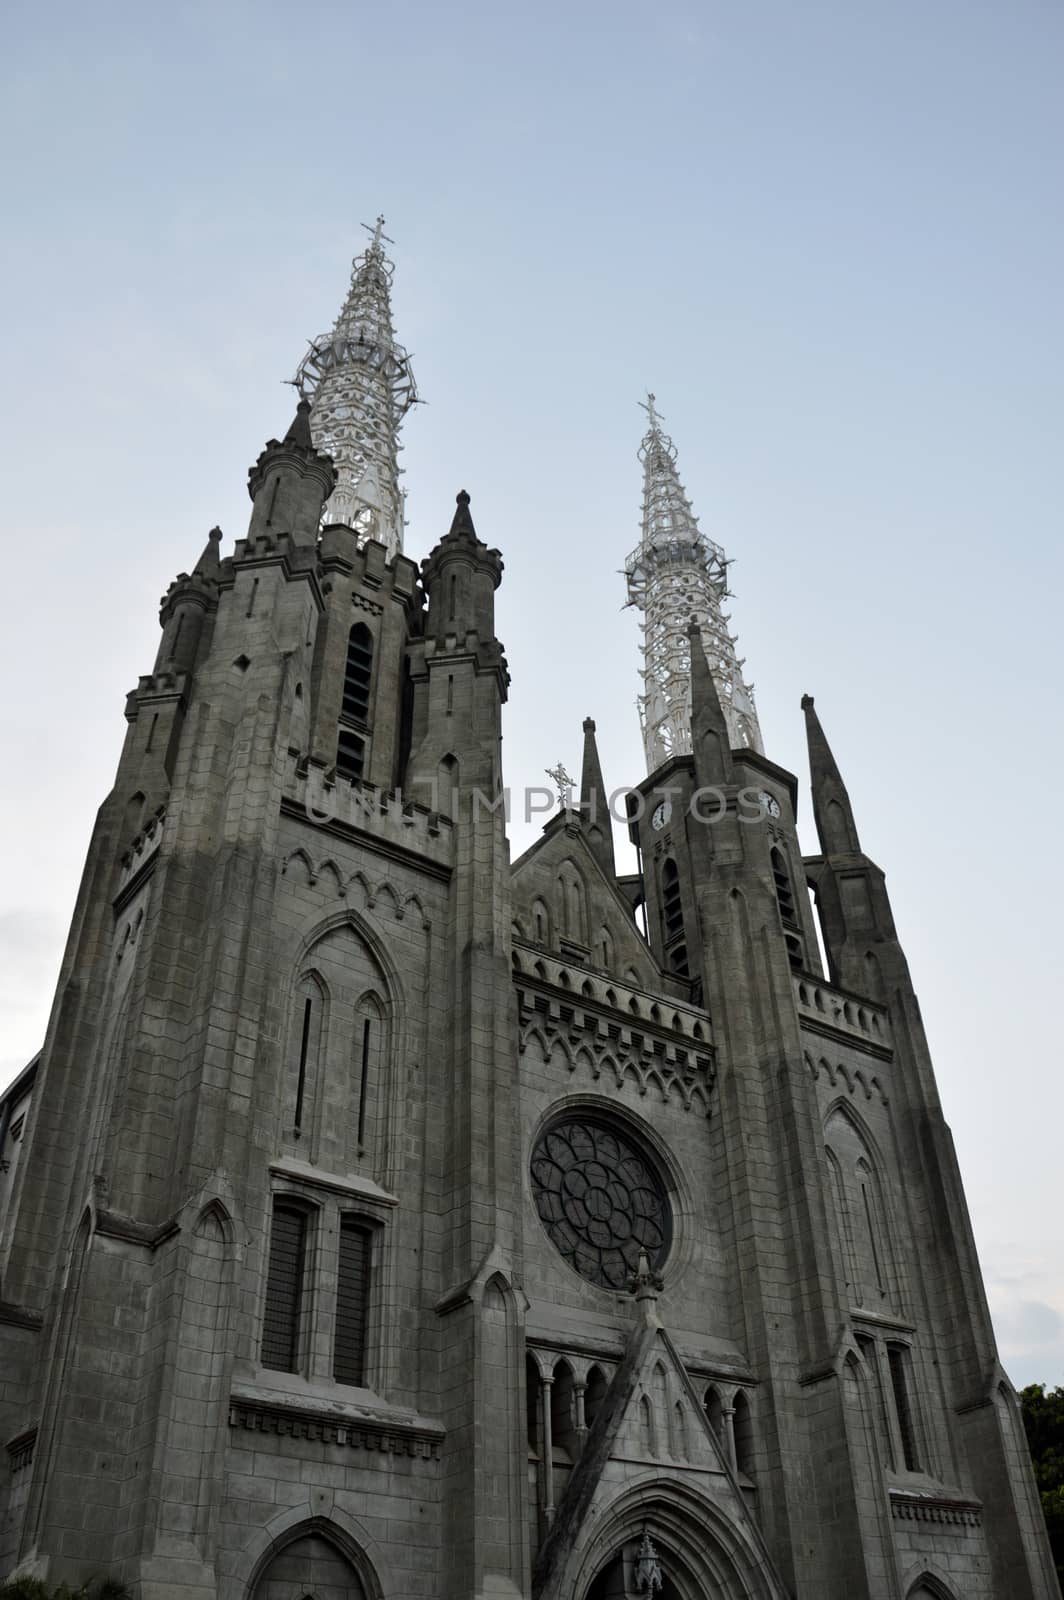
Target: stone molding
113 1225
20 1316
397 1436
917 1507
585 1039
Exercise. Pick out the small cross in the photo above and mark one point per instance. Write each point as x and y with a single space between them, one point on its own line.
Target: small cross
378 234
563 783
651 410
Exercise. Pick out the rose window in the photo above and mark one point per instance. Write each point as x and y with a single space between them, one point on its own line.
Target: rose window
600 1200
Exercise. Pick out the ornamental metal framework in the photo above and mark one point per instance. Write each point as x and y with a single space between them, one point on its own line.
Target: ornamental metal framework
361 386
675 576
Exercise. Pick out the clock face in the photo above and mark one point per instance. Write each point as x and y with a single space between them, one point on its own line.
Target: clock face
769 804
662 813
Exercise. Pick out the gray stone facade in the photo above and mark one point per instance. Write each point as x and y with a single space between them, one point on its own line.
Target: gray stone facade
393 1221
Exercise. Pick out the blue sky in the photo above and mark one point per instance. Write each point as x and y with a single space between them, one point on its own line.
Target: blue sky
828 235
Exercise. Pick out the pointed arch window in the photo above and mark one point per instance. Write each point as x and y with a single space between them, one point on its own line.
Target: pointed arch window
898 1363
866 1249
594 1394
743 1424
358 674
369 1044
562 1419
306 1030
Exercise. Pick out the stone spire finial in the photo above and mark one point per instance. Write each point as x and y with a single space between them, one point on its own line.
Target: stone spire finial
209 561
594 804
646 1284
462 522
832 810
299 432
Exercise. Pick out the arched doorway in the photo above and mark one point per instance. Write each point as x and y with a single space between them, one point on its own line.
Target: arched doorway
310 1567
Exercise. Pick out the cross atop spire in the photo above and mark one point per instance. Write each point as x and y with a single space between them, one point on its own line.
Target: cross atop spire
359 381
648 405
677 577
378 234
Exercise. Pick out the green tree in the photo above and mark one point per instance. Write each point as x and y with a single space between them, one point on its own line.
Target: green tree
34 1589
1043 1419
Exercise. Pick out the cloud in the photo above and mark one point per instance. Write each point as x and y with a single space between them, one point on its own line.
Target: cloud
30 949
1030 1331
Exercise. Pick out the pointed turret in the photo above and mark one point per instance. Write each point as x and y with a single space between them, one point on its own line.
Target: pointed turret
594 804
835 825
289 483
460 577
209 562
299 432
674 572
186 607
359 379
710 734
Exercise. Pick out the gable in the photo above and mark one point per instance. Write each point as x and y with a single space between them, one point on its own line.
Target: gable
649 1427
564 901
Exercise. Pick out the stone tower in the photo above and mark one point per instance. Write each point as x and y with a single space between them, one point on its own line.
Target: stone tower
389 1220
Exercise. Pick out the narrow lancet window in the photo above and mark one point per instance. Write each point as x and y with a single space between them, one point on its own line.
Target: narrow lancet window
898 1362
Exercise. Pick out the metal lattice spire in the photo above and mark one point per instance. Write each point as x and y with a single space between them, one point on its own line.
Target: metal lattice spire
359 380
675 576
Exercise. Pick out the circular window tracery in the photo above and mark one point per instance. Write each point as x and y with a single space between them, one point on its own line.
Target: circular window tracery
600 1199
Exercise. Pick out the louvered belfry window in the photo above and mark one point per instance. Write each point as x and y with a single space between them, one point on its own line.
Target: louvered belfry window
350 755
672 905
352 1301
358 672
284 1288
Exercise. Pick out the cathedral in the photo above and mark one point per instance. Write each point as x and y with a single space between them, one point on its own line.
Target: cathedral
385 1219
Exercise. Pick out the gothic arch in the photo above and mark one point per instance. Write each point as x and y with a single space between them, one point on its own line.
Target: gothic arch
215 1223
862 1204
703 1549
340 1069
338 1531
572 891
347 916
541 923
929 1585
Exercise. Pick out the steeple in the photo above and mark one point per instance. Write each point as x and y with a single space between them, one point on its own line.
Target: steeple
594 804
361 385
835 825
676 574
